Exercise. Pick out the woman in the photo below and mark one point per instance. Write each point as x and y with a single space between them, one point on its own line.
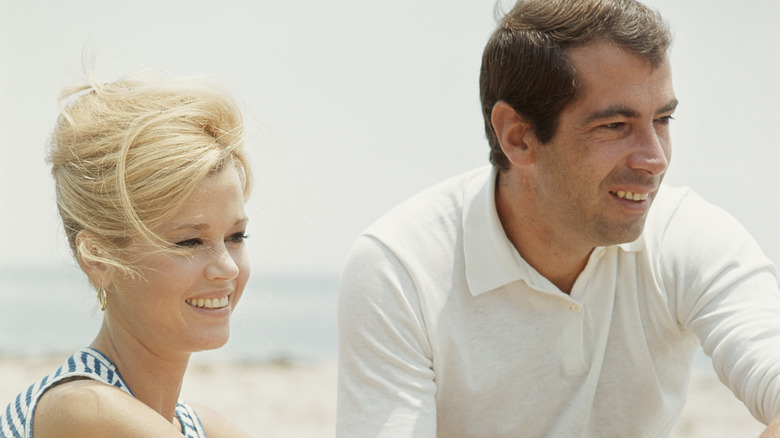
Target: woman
151 181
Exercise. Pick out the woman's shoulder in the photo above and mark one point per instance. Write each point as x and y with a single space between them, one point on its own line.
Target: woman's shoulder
218 425
89 408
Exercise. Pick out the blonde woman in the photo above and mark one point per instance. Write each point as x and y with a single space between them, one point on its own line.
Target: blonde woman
151 181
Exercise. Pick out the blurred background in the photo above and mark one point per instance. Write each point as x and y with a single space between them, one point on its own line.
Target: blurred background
351 106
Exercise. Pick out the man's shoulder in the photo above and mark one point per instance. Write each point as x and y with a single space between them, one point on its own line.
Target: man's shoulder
670 196
439 204
679 203
679 214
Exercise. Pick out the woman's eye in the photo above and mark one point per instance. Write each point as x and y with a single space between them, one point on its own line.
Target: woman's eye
189 243
238 237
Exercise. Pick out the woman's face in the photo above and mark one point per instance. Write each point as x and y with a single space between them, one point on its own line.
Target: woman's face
182 303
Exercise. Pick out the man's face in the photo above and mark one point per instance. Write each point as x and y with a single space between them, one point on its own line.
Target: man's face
599 174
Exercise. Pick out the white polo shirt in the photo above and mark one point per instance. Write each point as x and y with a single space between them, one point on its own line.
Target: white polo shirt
444 329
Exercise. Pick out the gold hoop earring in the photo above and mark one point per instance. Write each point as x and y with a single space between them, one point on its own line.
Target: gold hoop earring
102 300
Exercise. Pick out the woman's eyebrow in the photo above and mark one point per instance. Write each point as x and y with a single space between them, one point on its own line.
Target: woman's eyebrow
200 226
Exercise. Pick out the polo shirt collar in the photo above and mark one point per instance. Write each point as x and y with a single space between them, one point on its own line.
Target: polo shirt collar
489 255
490 258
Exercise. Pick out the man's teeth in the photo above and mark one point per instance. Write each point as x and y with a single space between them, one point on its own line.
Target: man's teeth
209 303
631 196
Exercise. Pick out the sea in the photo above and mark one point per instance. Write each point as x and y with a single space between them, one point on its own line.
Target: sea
280 318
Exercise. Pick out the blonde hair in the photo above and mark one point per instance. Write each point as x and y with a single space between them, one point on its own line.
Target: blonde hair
126 155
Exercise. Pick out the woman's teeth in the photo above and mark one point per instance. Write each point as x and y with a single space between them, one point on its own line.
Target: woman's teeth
209 303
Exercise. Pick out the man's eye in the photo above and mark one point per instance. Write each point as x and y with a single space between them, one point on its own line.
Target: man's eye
616 125
665 120
238 237
189 243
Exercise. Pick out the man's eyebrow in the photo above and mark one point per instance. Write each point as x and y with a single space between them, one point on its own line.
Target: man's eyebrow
669 107
606 113
619 110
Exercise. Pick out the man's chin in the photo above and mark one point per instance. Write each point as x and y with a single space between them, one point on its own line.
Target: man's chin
625 234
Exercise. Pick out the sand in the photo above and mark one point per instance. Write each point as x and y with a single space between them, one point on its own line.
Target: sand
299 400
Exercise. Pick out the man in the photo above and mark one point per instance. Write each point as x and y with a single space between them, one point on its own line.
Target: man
542 296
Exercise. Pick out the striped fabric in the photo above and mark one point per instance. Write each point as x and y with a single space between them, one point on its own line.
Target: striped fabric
190 423
16 419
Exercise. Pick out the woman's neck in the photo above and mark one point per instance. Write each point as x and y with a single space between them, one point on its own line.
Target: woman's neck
154 377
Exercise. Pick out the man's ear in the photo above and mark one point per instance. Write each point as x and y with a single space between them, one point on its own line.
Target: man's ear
514 134
88 248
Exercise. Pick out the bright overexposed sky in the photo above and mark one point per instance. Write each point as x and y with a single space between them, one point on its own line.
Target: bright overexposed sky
354 105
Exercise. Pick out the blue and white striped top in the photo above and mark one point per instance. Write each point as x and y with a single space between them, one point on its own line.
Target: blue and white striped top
16 419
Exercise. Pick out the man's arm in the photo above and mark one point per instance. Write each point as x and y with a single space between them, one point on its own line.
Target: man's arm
725 289
386 381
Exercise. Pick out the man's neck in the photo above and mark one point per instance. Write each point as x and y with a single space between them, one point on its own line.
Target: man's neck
554 255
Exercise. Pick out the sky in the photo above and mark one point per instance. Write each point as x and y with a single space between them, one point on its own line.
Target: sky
352 106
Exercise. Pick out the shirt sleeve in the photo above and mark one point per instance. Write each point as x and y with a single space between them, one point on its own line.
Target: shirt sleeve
726 290
386 382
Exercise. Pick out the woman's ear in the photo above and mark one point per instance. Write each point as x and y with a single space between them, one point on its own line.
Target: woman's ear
88 248
517 140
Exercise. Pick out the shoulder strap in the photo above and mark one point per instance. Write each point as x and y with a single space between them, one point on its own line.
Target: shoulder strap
191 426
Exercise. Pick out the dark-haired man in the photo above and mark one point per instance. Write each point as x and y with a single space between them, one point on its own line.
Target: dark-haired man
542 295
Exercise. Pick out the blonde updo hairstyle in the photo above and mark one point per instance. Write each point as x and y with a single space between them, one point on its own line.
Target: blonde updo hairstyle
126 155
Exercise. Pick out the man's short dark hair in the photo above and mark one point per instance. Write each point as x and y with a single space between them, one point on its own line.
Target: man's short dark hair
526 64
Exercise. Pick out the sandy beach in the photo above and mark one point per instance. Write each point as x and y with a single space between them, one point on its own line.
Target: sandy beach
299 400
